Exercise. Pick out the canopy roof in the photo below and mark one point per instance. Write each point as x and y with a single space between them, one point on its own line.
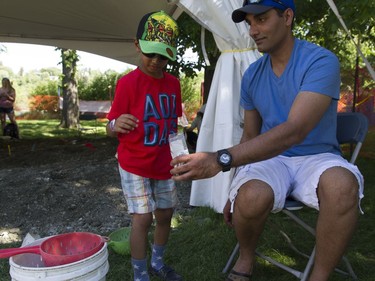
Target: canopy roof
102 27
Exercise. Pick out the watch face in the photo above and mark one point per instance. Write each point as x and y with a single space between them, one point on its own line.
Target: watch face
224 158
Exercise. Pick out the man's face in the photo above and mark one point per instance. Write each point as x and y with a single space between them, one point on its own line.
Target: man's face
268 29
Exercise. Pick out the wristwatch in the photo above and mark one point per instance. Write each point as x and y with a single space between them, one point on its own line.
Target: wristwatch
224 158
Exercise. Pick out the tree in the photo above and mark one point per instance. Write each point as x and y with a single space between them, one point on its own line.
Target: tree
70 110
316 22
99 86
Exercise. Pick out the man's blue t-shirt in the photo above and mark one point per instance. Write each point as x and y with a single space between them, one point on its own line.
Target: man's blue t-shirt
310 68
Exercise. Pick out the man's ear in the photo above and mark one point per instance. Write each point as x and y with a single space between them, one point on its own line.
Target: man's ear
289 15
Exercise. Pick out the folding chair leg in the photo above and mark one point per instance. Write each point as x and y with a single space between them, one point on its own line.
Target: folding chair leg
231 258
350 272
308 267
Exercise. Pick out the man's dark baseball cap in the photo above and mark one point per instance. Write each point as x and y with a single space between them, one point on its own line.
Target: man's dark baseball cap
256 7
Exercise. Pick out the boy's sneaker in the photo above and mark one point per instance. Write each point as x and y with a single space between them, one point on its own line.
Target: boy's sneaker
166 273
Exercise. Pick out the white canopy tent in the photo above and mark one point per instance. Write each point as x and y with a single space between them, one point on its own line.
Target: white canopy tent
102 27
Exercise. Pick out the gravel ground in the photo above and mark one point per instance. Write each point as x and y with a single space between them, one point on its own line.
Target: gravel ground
50 187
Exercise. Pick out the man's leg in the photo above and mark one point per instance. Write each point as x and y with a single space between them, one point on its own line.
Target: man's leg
338 196
252 206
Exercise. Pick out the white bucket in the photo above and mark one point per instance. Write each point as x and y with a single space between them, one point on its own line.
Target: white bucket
30 267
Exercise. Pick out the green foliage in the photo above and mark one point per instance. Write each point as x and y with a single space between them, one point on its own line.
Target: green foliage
316 22
99 87
69 59
190 38
46 88
191 93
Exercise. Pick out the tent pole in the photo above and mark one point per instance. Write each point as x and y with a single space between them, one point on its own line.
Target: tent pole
355 84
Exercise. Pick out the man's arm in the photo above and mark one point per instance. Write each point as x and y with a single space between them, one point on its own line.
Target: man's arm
252 125
307 110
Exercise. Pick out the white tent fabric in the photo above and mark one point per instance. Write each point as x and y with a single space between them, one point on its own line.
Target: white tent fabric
102 27
223 115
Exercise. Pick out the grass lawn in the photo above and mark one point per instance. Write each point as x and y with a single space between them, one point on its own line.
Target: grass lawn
37 129
201 243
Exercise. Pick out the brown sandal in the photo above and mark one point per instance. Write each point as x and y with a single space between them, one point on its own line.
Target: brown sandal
238 276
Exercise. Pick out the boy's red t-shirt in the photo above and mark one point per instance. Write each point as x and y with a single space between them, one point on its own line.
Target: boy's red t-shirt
157 105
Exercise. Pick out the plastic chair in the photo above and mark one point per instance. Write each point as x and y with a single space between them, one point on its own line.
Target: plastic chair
352 128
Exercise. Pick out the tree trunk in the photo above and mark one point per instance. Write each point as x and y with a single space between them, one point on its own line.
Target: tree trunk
70 110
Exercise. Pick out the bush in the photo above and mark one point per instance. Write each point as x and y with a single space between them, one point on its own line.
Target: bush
44 103
99 87
47 88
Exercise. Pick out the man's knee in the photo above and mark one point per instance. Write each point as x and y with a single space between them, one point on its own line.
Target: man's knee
338 186
254 198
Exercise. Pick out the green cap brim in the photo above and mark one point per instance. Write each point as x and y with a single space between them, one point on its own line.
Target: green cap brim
160 48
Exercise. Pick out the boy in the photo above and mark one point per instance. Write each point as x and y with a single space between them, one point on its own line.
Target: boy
144 112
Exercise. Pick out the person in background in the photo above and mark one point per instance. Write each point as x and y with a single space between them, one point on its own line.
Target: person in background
144 112
191 136
7 99
288 146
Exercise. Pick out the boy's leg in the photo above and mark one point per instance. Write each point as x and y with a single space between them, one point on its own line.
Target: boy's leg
138 245
162 229
138 195
163 219
165 193
139 235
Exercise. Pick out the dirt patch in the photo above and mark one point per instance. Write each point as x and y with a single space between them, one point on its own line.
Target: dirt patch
54 186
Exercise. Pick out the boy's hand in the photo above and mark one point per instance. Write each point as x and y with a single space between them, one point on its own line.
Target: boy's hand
126 123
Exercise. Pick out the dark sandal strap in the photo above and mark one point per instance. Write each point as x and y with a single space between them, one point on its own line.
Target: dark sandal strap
238 276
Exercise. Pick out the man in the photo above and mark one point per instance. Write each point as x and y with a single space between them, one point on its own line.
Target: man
288 146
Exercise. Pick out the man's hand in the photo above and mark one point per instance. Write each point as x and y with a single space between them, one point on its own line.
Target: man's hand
227 214
195 166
